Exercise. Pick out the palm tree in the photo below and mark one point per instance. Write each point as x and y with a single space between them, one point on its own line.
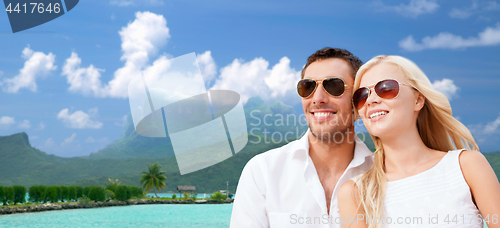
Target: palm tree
154 179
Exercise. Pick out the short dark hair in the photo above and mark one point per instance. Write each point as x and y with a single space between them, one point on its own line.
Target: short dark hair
328 52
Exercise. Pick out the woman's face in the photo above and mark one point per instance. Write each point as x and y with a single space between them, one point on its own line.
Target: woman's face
389 117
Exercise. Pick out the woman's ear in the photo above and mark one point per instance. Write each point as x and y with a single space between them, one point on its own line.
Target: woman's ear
419 101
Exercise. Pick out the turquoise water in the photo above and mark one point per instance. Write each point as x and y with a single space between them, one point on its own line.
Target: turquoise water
178 195
169 215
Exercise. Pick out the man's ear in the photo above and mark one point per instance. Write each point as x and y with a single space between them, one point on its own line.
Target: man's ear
419 101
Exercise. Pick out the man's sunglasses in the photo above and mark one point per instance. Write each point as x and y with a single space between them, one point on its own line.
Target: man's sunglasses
386 89
333 86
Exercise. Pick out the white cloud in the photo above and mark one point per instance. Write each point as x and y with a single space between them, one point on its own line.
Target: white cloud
6 121
93 112
40 126
141 40
49 143
122 121
83 80
492 127
446 87
125 3
78 120
476 8
24 125
460 13
92 140
69 140
464 13
492 5
486 133
282 78
413 9
254 78
37 65
33 137
207 66
121 2
489 37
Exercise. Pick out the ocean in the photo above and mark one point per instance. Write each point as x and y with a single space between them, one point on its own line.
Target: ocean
153 215
156 215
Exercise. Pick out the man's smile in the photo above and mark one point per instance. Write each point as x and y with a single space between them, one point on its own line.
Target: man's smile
322 114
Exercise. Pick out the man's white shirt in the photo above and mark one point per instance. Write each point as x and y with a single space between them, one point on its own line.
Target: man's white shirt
281 188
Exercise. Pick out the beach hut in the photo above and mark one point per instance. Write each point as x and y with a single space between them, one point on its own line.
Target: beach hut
186 188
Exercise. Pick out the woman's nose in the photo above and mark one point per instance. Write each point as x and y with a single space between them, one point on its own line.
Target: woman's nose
372 97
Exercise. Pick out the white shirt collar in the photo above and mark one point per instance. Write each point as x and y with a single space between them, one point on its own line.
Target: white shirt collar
301 151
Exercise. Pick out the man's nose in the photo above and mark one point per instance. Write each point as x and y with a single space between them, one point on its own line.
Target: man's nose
320 96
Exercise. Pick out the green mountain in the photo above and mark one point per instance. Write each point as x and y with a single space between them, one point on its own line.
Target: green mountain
264 119
128 156
494 160
25 165
131 145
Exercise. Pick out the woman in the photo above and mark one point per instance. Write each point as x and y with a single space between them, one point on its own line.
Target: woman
419 178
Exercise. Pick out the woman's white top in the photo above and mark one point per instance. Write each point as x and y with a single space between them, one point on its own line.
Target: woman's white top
437 197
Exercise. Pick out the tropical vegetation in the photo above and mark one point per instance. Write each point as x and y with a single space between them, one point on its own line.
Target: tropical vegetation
44 194
154 178
218 196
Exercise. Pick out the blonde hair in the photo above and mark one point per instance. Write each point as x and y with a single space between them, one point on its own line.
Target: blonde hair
436 126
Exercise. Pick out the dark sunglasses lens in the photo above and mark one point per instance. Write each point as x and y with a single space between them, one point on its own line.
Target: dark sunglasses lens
305 87
387 89
334 86
359 97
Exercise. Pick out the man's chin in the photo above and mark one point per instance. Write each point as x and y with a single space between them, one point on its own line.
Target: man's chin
318 129
328 133
322 132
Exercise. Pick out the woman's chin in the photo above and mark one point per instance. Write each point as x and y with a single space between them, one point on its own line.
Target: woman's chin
378 132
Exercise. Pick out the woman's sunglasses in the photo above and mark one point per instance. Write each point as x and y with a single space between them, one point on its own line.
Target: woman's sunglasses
386 89
333 86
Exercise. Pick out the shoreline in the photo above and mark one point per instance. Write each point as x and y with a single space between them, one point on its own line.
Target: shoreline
88 205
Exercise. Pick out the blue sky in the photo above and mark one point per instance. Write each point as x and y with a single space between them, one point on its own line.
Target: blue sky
63 82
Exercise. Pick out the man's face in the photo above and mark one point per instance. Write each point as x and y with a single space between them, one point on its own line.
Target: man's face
325 114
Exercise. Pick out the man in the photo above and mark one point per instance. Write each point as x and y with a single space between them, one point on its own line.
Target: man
296 185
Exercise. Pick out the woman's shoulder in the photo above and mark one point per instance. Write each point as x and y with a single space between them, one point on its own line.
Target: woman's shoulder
471 154
351 185
470 159
348 189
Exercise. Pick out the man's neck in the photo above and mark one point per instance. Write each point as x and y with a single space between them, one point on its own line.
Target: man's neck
333 155
331 159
